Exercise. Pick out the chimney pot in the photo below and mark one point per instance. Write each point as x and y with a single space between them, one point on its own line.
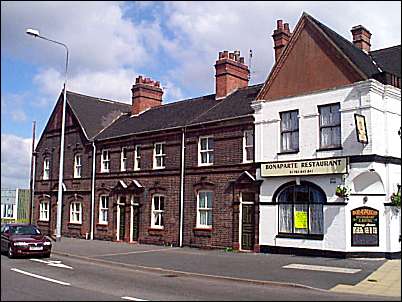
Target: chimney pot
279 24
281 37
230 74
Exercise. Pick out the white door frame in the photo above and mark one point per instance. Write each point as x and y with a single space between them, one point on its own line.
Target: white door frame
118 218
241 218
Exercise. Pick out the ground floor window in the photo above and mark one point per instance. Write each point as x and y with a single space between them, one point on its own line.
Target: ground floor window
301 209
44 211
103 209
158 209
204 209
76 212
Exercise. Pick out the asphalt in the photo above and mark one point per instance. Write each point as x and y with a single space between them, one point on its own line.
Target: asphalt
353 275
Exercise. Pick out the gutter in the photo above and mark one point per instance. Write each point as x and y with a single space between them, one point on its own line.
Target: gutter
183 159
93 189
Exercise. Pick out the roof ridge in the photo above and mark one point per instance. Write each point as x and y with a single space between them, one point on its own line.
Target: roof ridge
98 98
385 49
181 101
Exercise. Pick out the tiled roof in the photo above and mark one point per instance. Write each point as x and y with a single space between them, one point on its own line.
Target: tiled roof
388 59
94 114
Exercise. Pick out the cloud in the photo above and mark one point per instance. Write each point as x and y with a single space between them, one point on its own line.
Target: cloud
15 161
12 104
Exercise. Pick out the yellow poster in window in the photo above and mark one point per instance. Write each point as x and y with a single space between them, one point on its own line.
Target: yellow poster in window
300 220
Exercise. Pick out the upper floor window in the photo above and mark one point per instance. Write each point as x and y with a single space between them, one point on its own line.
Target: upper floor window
8 210
137 157
103 209
46 168
105 165
76 212
248 146
206 151
123 159
159 155
77 166
158 209
289 131
44 211
330 126
204 209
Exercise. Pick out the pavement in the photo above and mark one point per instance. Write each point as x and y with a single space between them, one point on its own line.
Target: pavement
376 276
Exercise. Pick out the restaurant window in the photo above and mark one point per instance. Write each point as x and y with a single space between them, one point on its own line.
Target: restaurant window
76 212
248 146
301 209
44 211
330 126
206 151
158 209
204 209
46 168
289 131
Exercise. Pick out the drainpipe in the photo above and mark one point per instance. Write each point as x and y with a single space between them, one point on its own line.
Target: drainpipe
182 186
93 190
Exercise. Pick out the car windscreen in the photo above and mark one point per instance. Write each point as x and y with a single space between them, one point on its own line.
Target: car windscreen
24 230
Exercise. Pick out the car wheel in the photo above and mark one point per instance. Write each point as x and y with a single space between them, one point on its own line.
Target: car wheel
47 255
10 253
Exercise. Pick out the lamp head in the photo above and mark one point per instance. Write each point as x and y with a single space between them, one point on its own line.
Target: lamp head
33 32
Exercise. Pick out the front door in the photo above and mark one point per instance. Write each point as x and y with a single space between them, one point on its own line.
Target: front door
136 220
247 221
122 226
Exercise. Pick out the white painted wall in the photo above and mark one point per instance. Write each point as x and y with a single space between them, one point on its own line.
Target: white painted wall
381 106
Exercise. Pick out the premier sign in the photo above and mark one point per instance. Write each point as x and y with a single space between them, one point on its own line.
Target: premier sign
305 167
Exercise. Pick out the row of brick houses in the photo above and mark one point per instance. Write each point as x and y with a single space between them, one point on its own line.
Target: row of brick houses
180 174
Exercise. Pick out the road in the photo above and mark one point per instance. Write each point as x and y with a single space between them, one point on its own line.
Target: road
70 279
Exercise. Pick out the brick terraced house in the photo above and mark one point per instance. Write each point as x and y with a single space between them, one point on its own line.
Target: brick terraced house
174 174
184 173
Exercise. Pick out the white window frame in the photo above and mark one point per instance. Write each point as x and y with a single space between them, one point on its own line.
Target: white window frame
46 168
103 209
74 211
208 151
123 159
159 212
6 211
137 157
44 211
204 209
161 155
245 146
77 165
105 160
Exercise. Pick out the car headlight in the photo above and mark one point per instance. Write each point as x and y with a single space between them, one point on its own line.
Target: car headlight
47 243
21 243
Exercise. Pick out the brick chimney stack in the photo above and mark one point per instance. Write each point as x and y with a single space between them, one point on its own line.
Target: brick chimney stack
146 93
281 37
361 37
231 73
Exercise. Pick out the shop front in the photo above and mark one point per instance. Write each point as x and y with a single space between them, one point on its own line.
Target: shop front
335 207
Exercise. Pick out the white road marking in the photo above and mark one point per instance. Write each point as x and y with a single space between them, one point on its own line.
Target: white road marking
323 268
138 252
56 263
40 277
133 299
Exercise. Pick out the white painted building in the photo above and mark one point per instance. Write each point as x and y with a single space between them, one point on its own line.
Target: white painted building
323 223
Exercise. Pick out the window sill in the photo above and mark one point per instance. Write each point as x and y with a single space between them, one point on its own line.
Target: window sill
158 168
329 149
205 165
104 171
288 152
74 225
207 229
155 229
43 221
301 236
202 232
101 224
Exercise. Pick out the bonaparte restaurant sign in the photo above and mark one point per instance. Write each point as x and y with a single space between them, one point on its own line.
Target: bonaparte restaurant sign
305 167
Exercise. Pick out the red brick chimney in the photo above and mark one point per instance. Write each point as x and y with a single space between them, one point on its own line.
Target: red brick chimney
231 73
281 37
146 93
361 37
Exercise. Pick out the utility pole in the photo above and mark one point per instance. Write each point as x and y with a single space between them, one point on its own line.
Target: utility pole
31 178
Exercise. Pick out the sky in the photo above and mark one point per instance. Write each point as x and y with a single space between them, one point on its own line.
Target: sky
176 43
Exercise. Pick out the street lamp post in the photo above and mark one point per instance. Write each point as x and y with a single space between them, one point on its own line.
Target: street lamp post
35 33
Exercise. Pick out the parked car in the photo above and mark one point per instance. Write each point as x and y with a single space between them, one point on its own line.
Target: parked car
18 239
